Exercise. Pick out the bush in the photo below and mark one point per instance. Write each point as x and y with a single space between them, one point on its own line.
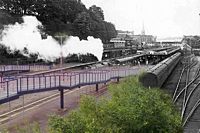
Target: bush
131 108
28 128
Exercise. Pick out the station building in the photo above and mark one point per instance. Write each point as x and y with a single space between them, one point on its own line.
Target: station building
126 43
169 41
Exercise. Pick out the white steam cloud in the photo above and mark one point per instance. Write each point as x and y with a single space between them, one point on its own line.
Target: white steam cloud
28 35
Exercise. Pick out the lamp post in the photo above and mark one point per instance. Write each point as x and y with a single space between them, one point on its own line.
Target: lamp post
61 45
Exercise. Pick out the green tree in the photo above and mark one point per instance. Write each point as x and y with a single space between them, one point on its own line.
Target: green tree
97 11
69 16
6 19
81 25
18 7
110 30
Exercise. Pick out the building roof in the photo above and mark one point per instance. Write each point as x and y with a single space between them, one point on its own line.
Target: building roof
170 39
129 58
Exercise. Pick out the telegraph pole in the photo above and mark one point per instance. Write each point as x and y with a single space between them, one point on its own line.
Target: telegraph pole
61 45
61 38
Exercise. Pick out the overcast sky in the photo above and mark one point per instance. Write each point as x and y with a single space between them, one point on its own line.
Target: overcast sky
163 18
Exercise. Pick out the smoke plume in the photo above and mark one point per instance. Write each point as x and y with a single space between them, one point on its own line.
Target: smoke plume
28 35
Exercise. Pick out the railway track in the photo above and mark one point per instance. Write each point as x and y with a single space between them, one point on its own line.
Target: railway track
187 95
7 116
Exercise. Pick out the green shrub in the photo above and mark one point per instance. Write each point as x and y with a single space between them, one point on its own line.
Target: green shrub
131 108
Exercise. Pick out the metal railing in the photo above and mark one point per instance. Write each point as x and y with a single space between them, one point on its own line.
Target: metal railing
12 88
5 68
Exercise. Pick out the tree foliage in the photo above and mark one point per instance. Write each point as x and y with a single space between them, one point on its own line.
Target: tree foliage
18 7
6 19
81 25
130 108
69 16
97 11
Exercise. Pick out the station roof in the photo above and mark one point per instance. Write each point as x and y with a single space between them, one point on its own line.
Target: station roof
173 50
115 49
158 49
129 58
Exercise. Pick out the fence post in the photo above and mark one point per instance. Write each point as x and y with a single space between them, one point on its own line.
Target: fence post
39 82
45 82
125 73
20 86
92 76
7 89
86 77
105 79
100 75
95 77
33 82
50 81
97 87
27 82
70 80
89 78
59 80
74 79
117 79
55 80
79 80
62 98
17 86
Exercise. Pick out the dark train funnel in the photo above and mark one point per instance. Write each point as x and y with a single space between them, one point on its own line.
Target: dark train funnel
156 76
